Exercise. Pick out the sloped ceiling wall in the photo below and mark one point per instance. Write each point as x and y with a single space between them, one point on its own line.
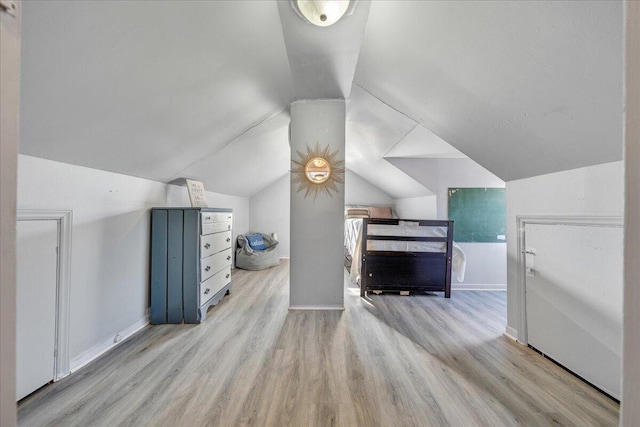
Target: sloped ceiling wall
163 90
148 88
523 88
373 128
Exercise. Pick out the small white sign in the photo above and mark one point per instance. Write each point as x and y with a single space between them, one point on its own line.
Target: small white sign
196 194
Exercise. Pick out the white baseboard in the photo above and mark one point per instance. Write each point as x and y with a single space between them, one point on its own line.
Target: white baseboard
479 286
511 333
101 348
316 307
284 257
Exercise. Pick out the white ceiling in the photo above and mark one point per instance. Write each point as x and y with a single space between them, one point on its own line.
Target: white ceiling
373 128
323 59
522 87
163 90
249 163
147 88
423 143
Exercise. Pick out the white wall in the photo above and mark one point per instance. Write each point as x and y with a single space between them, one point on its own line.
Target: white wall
425 207
270 212
486 266
630 414
591 190
110 243
9 105
359 191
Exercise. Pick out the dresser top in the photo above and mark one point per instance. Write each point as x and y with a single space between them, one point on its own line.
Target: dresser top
194 209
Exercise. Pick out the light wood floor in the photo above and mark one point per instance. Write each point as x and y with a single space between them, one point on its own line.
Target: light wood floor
388 361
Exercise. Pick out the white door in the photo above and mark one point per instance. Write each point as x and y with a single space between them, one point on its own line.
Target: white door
574 299
37 265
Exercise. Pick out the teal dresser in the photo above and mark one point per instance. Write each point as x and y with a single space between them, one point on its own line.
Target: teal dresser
191 259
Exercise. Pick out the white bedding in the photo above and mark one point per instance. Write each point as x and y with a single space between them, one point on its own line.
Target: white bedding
353 242
352 227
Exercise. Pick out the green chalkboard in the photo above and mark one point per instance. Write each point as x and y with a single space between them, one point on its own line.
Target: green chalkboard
479 214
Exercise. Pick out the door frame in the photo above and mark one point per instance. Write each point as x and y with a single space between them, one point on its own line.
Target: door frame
552 219
64 219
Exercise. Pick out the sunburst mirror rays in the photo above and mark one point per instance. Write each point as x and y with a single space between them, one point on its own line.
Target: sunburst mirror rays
317 170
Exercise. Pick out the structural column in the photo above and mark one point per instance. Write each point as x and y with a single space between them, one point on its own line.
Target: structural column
9 103
317 209
630 414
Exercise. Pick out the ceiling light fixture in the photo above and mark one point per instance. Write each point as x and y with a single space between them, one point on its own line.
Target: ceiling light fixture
323 12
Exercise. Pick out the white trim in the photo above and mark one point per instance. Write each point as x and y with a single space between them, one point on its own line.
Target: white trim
284 257
316 307
478 286
551 219
572 219
99 349
511 333
63 305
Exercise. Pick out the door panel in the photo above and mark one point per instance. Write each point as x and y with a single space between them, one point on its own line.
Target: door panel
574 299
37 264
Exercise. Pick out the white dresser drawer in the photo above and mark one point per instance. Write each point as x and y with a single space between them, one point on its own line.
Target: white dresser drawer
213 284
209 217
214 263
214 243
215 227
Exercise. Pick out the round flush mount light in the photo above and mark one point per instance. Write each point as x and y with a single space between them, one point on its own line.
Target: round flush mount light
322 12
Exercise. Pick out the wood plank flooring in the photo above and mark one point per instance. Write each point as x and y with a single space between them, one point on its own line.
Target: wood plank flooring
385 361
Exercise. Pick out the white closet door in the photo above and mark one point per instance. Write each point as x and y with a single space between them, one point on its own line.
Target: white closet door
37 263
574 299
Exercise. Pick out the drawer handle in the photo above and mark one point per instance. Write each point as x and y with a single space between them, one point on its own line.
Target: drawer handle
207 217
227 276
228 239
207 268
207 291
229 227
229 217
228 257
207 246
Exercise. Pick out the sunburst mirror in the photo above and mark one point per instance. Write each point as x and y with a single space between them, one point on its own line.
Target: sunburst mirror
317 170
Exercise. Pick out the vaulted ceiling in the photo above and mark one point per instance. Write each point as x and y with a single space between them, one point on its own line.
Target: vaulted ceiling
164 90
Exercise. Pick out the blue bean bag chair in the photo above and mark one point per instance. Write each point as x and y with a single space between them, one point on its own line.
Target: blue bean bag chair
256 251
